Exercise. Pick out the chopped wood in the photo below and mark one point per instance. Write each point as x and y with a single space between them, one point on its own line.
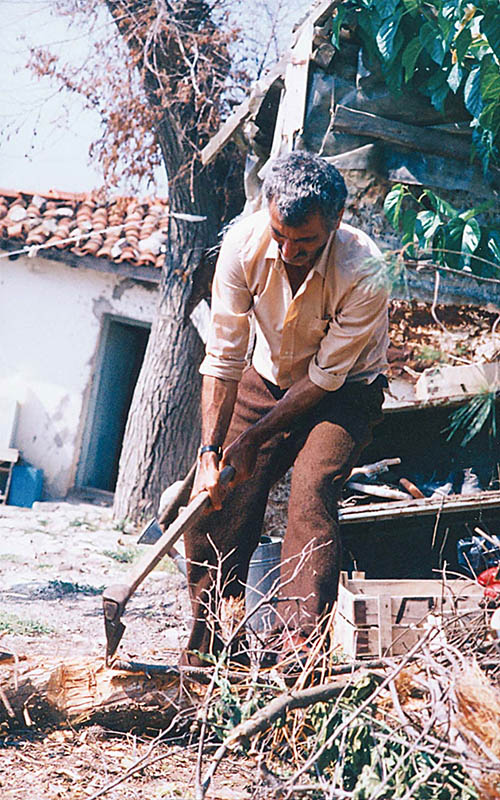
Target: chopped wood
82 692
413 508
423 139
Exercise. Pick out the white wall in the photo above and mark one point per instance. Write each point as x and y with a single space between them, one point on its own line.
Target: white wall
50 322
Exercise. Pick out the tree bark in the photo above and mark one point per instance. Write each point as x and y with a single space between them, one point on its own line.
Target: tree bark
162 432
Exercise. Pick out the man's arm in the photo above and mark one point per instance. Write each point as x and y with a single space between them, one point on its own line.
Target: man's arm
217 403
242 453
218 399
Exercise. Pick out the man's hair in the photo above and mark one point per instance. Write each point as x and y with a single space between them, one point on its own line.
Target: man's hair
300 184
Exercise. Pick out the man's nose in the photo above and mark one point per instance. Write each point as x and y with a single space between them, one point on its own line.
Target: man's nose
289 249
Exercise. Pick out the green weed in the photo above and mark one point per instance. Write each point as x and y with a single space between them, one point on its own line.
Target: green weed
125 555
10 623
71 587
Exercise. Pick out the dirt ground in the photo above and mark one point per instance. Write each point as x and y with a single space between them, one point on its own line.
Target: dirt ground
55 559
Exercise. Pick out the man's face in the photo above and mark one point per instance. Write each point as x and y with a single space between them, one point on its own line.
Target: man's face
299 246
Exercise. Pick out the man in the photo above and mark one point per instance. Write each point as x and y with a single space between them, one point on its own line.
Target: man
309 398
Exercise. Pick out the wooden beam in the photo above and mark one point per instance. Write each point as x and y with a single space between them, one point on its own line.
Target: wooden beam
418 138
249 107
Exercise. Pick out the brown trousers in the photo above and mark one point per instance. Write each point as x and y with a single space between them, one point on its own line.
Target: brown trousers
322 445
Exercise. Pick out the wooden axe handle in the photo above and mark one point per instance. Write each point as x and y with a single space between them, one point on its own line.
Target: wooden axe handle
180 498
187 518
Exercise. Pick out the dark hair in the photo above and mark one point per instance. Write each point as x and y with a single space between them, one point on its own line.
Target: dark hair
301 183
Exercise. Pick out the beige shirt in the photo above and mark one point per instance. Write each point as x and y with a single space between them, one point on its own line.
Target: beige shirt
334 329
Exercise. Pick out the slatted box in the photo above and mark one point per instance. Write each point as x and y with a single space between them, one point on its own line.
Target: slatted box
378 618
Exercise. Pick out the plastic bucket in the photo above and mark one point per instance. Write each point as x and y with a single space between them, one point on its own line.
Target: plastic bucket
263 579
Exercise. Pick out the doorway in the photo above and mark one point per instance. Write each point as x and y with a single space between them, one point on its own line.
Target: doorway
120 357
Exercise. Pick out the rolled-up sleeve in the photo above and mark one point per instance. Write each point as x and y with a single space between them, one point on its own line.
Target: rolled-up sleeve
357 334
229 332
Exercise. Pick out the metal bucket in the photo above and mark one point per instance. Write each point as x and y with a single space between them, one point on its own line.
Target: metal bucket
263 579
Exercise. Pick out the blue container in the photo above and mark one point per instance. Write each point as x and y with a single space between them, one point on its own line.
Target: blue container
26 486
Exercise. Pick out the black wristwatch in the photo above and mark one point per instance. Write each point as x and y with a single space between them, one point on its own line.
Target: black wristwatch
210 448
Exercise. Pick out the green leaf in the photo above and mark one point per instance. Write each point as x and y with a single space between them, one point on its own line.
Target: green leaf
429 36
494 245
410 56
472 93
490 79
490 26
490 117
386 35
471 236
426 225
462 43
386 8
408 219
340 13
442 207
454 78
392 204
473 212
437 88
413 6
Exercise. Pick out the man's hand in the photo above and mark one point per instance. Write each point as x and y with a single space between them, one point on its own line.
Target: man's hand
207 479
242 455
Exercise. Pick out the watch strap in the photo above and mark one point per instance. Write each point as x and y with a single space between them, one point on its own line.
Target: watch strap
210 448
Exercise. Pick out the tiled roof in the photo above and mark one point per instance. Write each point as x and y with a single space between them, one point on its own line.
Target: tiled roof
123 230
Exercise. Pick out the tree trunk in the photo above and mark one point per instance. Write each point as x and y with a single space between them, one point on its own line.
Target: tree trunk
161 436
162 432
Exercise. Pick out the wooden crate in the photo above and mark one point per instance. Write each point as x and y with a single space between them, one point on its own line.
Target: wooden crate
387 617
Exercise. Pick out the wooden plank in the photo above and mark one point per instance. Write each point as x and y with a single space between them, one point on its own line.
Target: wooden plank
415 508
385 633
408 602
416 138
426 169
365 157
290 121
365 643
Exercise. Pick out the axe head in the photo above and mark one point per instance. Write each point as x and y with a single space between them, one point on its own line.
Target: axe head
113 603
150 533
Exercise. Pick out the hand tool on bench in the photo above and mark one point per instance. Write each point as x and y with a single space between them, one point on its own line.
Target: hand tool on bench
115 598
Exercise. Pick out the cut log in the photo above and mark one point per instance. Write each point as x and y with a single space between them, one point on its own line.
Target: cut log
416 138
82 692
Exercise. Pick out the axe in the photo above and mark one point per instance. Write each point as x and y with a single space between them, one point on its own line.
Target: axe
115 598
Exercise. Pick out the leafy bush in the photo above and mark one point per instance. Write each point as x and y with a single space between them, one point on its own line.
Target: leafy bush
452 238
438 48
